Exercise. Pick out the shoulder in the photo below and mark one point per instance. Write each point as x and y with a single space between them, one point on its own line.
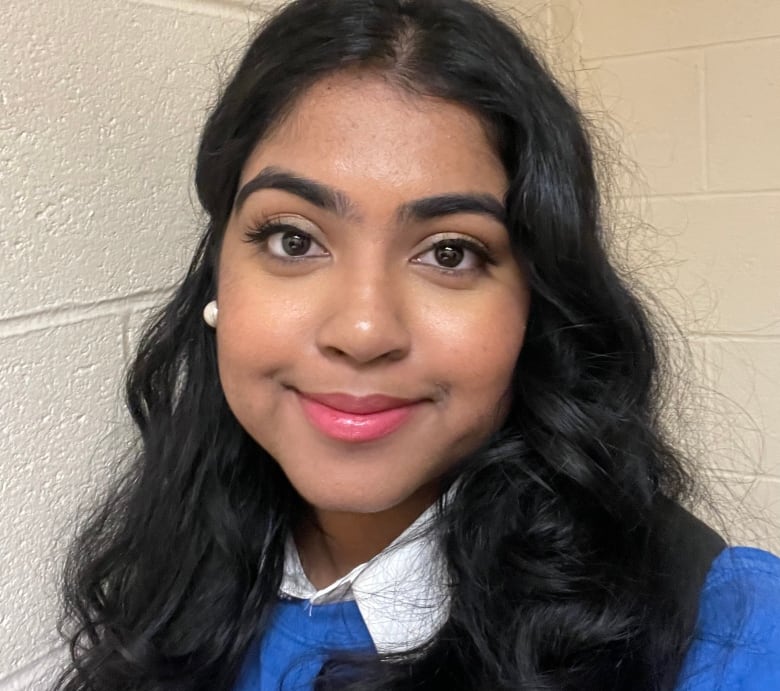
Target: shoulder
736 642
744 566
741 592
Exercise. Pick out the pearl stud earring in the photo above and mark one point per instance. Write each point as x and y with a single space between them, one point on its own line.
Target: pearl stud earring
210 312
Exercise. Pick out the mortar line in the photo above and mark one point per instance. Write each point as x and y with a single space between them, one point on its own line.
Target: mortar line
27 673
732 337
725 474
68 314
548 20
679 49
701 70
710 194
210 8
125 326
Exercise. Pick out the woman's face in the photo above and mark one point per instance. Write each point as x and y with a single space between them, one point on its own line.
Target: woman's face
370 307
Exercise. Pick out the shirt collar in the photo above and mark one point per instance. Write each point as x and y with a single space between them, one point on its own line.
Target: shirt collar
402 593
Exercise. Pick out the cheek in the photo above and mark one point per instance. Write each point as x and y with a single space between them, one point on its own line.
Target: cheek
479 346
487 365
252 324
258 317
258 322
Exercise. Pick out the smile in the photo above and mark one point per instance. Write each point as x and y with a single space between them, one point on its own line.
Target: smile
356 419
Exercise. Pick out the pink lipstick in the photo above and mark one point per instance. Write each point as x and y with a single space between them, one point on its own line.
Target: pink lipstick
356 418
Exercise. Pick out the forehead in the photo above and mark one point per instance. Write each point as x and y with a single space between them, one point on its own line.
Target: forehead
360 127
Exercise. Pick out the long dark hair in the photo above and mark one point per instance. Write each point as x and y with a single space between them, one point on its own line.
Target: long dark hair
551 538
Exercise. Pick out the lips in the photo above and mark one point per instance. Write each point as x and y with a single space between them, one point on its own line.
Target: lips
355 419
361 405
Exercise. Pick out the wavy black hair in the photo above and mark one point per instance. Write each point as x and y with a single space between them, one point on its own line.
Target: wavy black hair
559 568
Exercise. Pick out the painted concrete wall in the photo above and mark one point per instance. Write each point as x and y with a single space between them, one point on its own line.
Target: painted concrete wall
690 90
100 109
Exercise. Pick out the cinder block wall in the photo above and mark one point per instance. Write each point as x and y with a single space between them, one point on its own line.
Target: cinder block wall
101 106
690 90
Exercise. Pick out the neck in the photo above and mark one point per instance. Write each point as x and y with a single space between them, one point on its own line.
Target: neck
332 543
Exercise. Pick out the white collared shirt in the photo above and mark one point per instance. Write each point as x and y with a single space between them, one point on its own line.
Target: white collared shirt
402 593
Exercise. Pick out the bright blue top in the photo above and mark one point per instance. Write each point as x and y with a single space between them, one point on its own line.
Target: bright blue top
297 644
736 645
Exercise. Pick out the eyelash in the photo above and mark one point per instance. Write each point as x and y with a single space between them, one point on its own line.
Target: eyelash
482 254
261 234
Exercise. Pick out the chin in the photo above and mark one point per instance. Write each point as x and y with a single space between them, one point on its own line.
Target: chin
345 502
358 499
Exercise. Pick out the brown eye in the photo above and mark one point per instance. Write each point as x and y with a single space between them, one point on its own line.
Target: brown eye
455 255
295 243
449 255
285 242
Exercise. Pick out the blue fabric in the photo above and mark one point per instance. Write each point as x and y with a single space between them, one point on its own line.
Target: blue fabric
299 640
737 641
736 646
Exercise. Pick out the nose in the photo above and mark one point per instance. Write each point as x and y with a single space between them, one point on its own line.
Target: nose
364 320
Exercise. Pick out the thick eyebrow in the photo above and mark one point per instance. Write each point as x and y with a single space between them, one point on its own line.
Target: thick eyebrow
313 192
449 204
338 202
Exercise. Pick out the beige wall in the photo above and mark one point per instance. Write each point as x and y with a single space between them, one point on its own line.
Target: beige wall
690 90
101 104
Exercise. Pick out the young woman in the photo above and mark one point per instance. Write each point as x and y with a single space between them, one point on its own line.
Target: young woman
399 423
